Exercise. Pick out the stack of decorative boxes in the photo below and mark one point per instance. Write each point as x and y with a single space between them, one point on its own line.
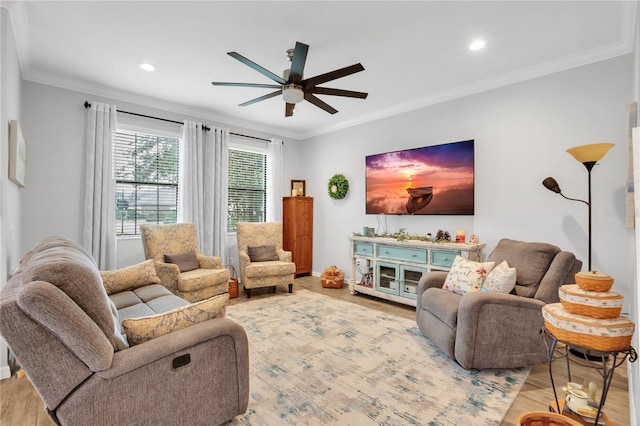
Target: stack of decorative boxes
588 315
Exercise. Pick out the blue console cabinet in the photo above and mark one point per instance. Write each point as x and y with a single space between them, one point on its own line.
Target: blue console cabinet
398 265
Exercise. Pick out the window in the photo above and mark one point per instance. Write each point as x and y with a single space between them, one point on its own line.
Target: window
247 187
146 172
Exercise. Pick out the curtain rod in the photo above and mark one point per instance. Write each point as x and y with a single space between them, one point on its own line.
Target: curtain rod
250 137
205 128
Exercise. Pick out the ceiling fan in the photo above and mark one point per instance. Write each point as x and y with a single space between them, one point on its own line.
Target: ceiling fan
293 87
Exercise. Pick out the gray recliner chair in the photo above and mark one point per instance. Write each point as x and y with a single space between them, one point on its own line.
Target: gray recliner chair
494 330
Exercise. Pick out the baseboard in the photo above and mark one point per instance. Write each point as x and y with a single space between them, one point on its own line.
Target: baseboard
5 372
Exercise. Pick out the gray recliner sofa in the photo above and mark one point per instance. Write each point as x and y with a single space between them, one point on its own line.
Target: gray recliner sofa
66 334
495 330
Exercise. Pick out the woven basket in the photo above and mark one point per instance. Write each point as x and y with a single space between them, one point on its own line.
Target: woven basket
594 281
544 418
336 283
598 343
233 281
591 311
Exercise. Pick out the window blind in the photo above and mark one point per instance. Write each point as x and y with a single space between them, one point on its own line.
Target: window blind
247 187
146 174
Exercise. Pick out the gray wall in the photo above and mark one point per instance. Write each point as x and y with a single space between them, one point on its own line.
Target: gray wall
521 133
10 193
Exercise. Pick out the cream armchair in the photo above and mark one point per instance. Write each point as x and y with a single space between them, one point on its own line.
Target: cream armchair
263 262
191 277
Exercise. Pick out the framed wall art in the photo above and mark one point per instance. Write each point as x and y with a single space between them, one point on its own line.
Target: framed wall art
17 155
298 188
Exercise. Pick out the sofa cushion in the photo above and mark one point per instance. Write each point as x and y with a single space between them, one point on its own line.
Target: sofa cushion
262 253
269 269
134 311
69 268
186 261
140 330
124 299
202 278
501 279
131 277
531 260
466 275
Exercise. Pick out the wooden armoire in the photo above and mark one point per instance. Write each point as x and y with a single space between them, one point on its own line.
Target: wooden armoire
297 221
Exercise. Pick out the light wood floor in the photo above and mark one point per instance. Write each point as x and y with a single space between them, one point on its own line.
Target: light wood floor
21 406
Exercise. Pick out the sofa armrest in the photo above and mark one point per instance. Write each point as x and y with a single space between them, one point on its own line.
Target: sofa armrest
430 279
499 329
285 256
198 375
137 356
243 261
209 262
168 274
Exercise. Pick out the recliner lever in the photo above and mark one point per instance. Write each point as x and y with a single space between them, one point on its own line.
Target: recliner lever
181 361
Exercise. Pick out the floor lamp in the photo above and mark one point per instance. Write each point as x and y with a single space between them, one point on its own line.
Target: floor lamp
588 155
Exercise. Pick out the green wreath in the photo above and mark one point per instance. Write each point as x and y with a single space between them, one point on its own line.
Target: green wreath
338 187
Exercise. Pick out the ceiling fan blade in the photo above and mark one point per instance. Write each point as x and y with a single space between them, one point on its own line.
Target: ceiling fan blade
288 110
337 92
298 61
319 103
333 75
267 86
257 67
262 98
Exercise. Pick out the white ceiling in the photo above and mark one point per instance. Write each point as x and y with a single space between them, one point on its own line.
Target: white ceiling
415 53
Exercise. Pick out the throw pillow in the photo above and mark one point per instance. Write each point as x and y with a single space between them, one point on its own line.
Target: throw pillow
140 330
131 277
466 275
262 253
186 261
501 279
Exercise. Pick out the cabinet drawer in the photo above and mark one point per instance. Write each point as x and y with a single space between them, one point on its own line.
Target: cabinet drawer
408 254
443 258
363 249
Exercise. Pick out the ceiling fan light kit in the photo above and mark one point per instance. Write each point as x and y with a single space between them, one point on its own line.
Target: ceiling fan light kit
292 87
292 93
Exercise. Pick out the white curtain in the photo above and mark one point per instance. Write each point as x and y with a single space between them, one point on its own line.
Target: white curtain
99 233
274 180
203 185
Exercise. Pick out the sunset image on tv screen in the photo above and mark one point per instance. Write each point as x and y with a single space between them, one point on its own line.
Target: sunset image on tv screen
434 179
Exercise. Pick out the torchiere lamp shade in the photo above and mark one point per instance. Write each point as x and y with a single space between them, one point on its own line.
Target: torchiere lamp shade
590 153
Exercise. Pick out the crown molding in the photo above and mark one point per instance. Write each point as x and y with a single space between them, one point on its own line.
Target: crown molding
208 116
518 76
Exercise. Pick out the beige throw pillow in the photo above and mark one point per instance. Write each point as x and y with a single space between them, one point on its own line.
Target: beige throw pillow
501 279
131 277
262 253
466 276
140 330
186 261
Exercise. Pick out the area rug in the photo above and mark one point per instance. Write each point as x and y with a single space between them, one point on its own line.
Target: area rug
316 360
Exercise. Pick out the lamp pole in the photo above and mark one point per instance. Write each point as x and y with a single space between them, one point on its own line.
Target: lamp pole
589 165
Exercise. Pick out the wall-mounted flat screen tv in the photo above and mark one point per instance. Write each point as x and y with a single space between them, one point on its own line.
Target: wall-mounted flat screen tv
437 179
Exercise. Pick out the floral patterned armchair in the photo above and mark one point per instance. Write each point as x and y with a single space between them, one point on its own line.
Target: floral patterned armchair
190 275
263 262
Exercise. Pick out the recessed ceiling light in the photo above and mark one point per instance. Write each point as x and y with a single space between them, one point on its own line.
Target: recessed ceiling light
477 45
147 67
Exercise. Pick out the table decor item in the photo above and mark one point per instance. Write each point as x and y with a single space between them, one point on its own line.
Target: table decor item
332 277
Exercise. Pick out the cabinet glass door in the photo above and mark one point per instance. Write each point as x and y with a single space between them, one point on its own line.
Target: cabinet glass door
387 277
410 276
